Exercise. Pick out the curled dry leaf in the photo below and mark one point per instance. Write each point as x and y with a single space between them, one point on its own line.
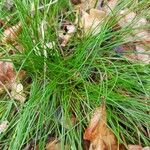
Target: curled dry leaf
10 34
7 75
3 126
110 6
8 81
91 22
97 132
66 34
135 147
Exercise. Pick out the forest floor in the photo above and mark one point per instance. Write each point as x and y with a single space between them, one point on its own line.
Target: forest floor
75 74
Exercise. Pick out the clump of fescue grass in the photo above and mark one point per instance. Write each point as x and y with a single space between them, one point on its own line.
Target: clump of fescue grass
63 86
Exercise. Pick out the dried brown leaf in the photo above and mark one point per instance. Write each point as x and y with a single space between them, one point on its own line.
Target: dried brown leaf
91 22
7 75
135 147
8 81
10 34
110 6
100 136
67 32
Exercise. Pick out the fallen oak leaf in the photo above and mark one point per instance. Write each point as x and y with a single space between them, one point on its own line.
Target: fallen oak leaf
91 22
99 14
110 6
10 34
97 132
7 75
66 33
8 81
134 147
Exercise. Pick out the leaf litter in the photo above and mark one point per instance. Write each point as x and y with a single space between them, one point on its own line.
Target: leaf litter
92 21
92 15
8 81
97 132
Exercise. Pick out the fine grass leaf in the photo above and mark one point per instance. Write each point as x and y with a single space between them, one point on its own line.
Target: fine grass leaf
55 145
